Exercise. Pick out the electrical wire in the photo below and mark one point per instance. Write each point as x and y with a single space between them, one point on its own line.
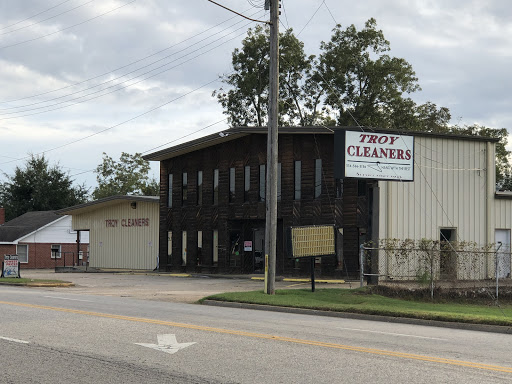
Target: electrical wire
116 125
64 29
162 145
115 85
49 18
37 14
122 67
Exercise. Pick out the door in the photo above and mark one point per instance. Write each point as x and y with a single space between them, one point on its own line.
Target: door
259 249
502 236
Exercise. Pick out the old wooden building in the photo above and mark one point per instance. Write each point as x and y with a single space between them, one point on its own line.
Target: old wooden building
391 186
212 201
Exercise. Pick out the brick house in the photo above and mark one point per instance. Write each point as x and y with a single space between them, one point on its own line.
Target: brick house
43 240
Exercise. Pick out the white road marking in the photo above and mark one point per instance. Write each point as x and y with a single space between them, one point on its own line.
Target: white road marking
65 298
15 340
167 343
392 334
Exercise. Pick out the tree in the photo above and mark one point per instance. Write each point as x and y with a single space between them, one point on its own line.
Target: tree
39 187
128 176
246 102
354 81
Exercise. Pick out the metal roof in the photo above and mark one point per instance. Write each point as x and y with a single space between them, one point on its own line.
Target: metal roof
238 132
101 203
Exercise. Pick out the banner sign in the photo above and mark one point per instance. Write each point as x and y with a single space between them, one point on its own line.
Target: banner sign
11 266
380 156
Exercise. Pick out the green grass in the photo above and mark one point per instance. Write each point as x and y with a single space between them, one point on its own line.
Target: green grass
24 281
359 301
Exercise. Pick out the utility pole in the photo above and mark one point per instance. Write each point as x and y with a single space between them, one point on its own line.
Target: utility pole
271 188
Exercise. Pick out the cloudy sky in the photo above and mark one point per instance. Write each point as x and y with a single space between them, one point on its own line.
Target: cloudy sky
83 77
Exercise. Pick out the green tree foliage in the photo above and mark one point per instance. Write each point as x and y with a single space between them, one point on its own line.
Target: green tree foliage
353 82
128 176
246 100
39 187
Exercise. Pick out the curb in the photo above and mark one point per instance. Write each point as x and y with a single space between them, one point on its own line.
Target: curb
39 285
359 316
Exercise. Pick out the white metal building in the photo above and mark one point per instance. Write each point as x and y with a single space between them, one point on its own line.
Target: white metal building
454 190
123 231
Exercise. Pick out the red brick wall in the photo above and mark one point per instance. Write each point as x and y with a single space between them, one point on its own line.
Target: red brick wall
39 255
7 249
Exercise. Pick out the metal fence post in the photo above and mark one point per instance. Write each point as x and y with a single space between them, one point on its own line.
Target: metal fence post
361 263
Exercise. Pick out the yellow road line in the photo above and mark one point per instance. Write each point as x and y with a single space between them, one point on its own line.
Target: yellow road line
411 356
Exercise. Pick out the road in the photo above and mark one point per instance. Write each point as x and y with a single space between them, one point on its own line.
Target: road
66 336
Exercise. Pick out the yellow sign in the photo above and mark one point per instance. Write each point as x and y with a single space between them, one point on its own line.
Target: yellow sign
313 241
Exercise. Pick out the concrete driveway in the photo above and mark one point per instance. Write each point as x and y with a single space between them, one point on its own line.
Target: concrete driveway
159 287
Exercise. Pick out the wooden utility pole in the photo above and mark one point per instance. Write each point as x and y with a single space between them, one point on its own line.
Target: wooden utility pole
271 189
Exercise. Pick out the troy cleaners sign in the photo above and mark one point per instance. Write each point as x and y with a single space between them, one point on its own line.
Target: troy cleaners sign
381 156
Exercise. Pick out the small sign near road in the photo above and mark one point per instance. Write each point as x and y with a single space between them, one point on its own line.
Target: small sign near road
10 267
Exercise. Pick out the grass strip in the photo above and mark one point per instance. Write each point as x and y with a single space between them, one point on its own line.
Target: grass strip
359 301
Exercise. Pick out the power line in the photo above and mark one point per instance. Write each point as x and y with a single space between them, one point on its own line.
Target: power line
122 67
37 14
162 145
115 85
64 29
116 125
123 75
49 18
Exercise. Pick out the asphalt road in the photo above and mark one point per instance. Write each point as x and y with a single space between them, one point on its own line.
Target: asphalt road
67 336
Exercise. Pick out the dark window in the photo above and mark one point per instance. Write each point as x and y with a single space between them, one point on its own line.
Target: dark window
215 187
247 182
169 192
278 181
231 184
361 187
199 187
318 178
262 183
298 173
184 188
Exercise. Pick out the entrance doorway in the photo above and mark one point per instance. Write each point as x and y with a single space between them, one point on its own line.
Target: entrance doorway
259 250
448 256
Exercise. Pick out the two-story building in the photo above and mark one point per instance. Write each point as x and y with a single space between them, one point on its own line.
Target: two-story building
212 197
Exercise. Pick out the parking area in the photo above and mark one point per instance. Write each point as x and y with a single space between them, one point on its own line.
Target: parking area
160 287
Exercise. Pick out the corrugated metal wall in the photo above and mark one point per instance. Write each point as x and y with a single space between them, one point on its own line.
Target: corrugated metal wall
119 243
450 190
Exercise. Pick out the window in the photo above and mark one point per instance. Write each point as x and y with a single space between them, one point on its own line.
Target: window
184 248
199 187
184 188
215 186
169 244
231 184
318 178
278 181
215 248
22 252
297 173
262 182
199 247
55 251
169 192
247 182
